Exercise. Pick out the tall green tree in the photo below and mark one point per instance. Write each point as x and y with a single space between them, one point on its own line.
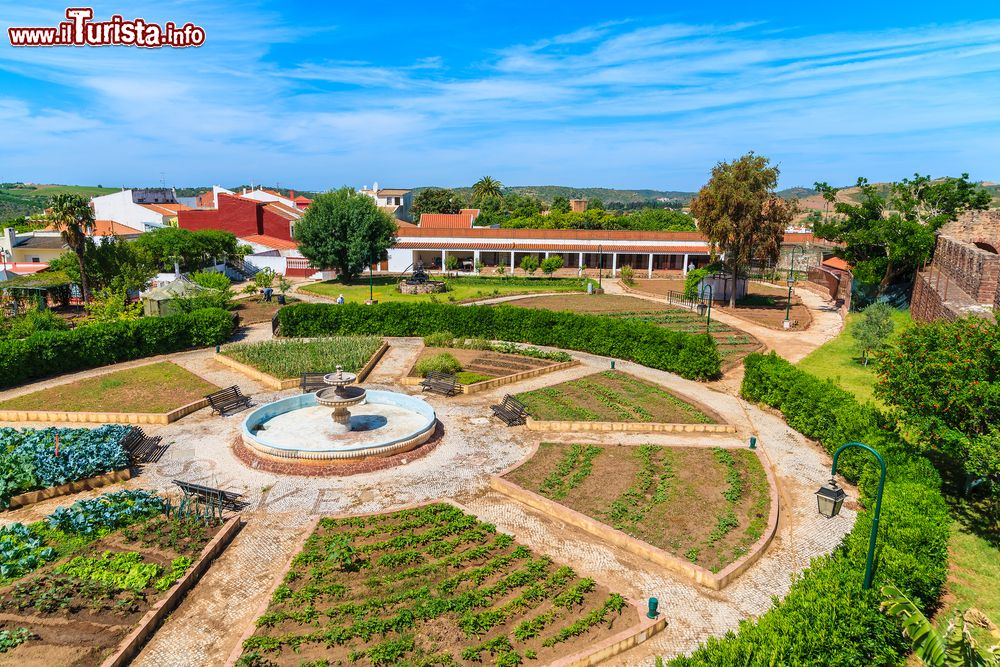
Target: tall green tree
344 230
487 186
740 213
943 379
871 333
890 232
435 200
113 264
191 249
74 218
559 205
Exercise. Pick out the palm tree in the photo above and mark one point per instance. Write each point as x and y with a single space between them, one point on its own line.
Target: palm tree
74 218
487 186
954 648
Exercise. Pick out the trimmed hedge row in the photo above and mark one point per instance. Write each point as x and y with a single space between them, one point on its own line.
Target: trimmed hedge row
48 353
827 619
693 356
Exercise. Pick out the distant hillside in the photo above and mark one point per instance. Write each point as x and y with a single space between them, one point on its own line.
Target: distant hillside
549 192
19 199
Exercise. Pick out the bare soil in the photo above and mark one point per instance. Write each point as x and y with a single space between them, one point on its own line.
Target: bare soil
484 362
771 316
611 396
683 520
255 310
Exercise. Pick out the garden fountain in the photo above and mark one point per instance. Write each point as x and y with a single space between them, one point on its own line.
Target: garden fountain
364 423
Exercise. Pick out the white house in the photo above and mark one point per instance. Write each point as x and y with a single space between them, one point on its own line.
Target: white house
141 209
260 194
394 201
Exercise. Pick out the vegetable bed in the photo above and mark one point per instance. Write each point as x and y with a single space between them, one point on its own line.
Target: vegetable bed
28 459
290 358
610 396
77 583
428 586
706 505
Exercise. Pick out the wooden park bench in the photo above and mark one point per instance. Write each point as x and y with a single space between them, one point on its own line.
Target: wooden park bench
141 448
441 383
312 382
510 411
228 399
207 494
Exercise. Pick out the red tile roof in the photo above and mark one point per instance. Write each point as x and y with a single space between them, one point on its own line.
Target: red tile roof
270 242
551 247
836 263
166 209
446 220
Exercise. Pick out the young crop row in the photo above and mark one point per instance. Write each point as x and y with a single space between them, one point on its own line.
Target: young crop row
551 401
642 392
30 458
292 358
650 488
371 607
574 467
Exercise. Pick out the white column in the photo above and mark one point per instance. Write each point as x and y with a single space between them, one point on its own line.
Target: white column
475 260
614 264
685 264
650 265
546 254
581 260
443 264
512 261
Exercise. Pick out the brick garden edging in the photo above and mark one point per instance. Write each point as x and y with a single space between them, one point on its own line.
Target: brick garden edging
103 417
281 384
595 653
130 646
32 497
700 575
548 426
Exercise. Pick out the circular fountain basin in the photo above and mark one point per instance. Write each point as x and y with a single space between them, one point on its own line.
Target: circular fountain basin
299 427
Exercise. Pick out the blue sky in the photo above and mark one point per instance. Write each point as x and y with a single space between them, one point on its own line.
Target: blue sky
616 94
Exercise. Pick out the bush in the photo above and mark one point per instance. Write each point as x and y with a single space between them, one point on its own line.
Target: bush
529 264
439 339
826 618
693 356
440 363
212 280
50 353
628 275
31 322
551 264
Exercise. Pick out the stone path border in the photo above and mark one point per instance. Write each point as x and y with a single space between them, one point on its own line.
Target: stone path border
486 385
713 580
623 641
102 417
131 645
32 497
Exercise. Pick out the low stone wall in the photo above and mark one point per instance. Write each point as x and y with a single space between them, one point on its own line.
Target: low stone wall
485 385
623 641
715 581
32 497
130 646
629 427
280 384
429 287
103 417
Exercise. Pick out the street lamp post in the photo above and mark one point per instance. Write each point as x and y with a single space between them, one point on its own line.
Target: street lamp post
711 295
791 281
830 498
371 280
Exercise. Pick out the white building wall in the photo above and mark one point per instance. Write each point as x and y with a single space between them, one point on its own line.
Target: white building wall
119 207
276 264
399 260
260 195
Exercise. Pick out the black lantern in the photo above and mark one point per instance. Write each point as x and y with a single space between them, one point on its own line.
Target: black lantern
830 499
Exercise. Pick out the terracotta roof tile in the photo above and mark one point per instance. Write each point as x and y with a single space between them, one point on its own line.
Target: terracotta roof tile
270 242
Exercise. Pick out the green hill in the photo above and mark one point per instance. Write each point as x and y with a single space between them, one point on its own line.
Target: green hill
19 199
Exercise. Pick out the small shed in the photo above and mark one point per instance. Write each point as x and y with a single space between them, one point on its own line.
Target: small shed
45 288
162 300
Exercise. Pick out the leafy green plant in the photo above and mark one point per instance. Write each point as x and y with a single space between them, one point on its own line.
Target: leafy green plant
13 638
440 363
440 339
628 274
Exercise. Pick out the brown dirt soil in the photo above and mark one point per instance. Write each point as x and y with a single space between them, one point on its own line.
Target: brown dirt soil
611 396
156 388
79 635
772 316
689 513
254 311
441 635
484 362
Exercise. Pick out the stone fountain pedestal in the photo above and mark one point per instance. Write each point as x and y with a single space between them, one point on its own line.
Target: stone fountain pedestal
340 395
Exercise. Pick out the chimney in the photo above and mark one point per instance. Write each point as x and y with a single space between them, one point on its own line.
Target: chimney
291 194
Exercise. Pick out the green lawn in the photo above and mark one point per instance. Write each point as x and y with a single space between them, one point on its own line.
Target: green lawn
837 360
459 289
156 388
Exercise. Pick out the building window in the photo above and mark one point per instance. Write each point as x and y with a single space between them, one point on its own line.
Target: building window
36 260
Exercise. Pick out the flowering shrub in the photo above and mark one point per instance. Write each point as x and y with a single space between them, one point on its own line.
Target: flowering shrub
28 457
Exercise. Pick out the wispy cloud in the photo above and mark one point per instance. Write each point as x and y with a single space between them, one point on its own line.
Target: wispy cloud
618 103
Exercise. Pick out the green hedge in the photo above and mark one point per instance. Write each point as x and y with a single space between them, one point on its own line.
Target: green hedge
48 353
693 356
826 619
